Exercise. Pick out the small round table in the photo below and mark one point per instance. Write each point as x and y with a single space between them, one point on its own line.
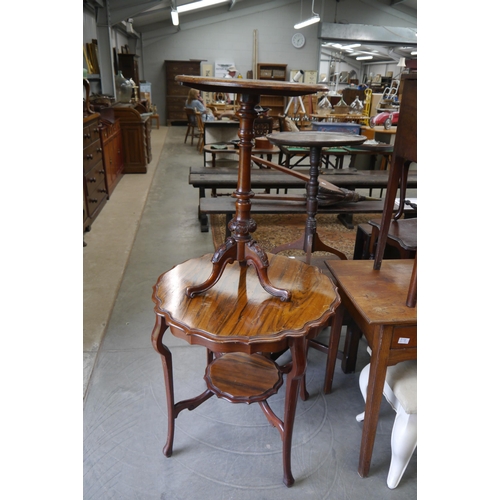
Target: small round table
310 241
240 324
240 246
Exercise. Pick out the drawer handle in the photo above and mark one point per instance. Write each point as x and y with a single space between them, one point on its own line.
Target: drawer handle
90 157
92 179
93 200
102 171
101 191
86 136
99 150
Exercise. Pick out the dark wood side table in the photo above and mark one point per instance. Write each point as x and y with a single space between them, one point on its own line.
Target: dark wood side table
240 246
315 141
239 321
376 301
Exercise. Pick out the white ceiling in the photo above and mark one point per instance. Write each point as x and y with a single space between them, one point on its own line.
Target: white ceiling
149 15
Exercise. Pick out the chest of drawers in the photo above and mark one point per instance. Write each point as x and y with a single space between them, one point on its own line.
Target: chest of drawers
94 175
111 139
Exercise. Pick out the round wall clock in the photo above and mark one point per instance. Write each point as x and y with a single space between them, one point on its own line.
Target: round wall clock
298 40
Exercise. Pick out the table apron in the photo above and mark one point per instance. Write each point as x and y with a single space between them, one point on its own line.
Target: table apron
246 344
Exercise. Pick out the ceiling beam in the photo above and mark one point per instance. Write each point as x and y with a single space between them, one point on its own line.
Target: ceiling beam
368 34
124 9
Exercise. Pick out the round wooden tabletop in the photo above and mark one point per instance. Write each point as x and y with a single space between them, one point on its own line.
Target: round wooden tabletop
315 139
237 310
246 86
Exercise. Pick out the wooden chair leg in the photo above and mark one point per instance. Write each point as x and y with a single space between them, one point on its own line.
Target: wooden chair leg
351 348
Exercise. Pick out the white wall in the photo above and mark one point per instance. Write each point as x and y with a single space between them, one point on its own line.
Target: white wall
232 39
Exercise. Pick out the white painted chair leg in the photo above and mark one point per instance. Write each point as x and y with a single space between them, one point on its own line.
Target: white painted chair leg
403 444
363 385
404 431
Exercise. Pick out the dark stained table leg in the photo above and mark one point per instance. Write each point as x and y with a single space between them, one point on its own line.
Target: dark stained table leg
310 241
240 246
298 349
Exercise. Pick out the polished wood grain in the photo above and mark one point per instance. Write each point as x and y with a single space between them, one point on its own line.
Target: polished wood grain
239 322
244 378
221 315
249 87
376 301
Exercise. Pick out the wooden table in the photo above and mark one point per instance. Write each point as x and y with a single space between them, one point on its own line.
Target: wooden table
232 149
266 178
376 301
240 246
238 321
315 141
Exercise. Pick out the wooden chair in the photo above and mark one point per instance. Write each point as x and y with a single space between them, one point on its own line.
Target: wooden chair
200 124
191 124
405 153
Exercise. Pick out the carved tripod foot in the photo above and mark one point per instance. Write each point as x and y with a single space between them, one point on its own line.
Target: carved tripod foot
225 254
257 257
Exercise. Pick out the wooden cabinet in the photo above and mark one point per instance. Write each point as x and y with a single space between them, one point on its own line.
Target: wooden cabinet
271 71
112 150
135 129
94 175
128 64
176 93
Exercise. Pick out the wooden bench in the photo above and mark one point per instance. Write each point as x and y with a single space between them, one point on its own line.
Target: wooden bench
226 178
225 205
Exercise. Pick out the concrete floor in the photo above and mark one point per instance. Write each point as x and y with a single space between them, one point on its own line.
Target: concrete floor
221 451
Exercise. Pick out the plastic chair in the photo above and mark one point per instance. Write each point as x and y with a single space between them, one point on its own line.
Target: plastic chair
400 390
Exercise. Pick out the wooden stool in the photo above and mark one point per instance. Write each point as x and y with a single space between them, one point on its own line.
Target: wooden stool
157 118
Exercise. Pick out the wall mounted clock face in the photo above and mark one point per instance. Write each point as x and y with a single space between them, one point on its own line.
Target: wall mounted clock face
298 40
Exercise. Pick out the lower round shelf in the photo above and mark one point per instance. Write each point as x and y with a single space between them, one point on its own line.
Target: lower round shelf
243 378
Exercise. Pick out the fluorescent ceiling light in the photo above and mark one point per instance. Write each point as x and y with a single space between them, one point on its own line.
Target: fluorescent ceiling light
307 22
175 18
363 58
198 5
314 19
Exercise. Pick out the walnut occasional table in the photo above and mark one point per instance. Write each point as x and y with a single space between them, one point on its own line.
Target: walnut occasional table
240 246
240 322
316 141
